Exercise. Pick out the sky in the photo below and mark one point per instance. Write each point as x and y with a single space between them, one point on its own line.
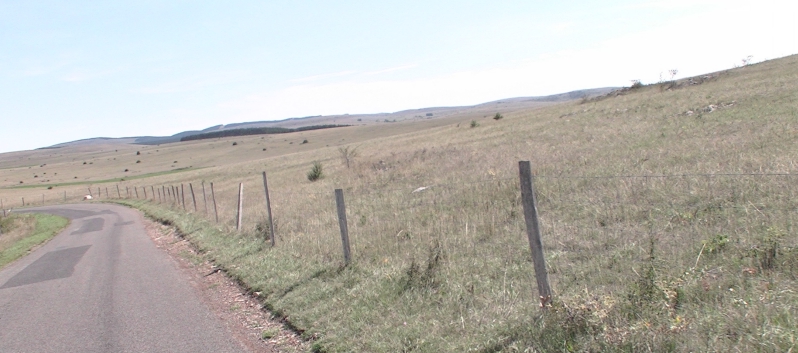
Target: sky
77 69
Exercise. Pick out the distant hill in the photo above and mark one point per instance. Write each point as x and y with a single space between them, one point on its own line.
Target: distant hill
503 105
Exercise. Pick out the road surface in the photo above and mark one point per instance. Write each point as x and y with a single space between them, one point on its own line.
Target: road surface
102 286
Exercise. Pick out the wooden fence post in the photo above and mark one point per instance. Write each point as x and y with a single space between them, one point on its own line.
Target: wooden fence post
107 195
90 192
204 198
65 196
136 189
183 196
144 188
118 194
127 190
213 197
163 192
3 207
174 197
152 191
269 209
533 232
23 202
339 202
99 194
240 213
193 199
42 199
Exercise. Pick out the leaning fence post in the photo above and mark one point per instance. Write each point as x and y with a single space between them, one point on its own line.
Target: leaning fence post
90 192
144 188
269 209
213 197
136 189
533 232
183 196
204 198
193 199
118 194
339 202
240 212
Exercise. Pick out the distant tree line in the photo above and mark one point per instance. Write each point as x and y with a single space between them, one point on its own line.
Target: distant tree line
255 131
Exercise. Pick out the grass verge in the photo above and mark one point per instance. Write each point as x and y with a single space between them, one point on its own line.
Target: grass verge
21 233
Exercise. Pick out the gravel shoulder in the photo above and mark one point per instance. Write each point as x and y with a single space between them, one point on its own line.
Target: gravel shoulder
242 313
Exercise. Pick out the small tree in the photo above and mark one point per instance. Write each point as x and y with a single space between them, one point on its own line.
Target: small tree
348 154
498 117
315 172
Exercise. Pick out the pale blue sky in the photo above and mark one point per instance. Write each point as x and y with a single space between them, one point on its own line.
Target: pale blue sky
81 69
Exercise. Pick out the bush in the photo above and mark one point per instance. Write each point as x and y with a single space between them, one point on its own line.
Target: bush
235 143
498 117
315 172
474 123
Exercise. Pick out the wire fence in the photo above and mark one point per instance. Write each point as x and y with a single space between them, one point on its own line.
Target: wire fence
596 229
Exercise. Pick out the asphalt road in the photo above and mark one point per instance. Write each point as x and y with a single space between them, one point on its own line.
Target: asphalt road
102 286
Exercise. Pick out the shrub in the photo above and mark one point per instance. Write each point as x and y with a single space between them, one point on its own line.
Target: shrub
235 143
138 153
304 141
315 172
498 117
474 123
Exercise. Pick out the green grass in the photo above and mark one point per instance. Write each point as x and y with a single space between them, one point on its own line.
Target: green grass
45 227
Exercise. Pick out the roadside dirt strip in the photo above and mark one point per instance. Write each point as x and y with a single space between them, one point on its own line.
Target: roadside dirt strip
244 315
102 285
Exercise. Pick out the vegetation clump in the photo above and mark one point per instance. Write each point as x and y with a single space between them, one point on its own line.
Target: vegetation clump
316 172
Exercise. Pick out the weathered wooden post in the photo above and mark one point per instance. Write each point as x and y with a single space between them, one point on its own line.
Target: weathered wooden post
107 195
136 189
99 195
118 194
152 191
127 190
193 199
183 195
240 213
42 199
144 188
269 209
533 232
90 192
64 195
213 197
23 202
339 202
204 198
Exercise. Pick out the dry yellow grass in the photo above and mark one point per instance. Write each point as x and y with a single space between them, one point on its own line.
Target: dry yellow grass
693 248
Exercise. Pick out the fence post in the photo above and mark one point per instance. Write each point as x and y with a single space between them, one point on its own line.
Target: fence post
144 188
533 232
193 199
23 202
3 207
163 192
118 194
269 209
213 197
204 198
136 189
152 191
127 190
174 197
107 195
65 196
339 202
99 194
183 195
240 212
42 199
90 192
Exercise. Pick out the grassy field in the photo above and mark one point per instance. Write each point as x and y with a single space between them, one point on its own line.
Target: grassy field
21 233
668 215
